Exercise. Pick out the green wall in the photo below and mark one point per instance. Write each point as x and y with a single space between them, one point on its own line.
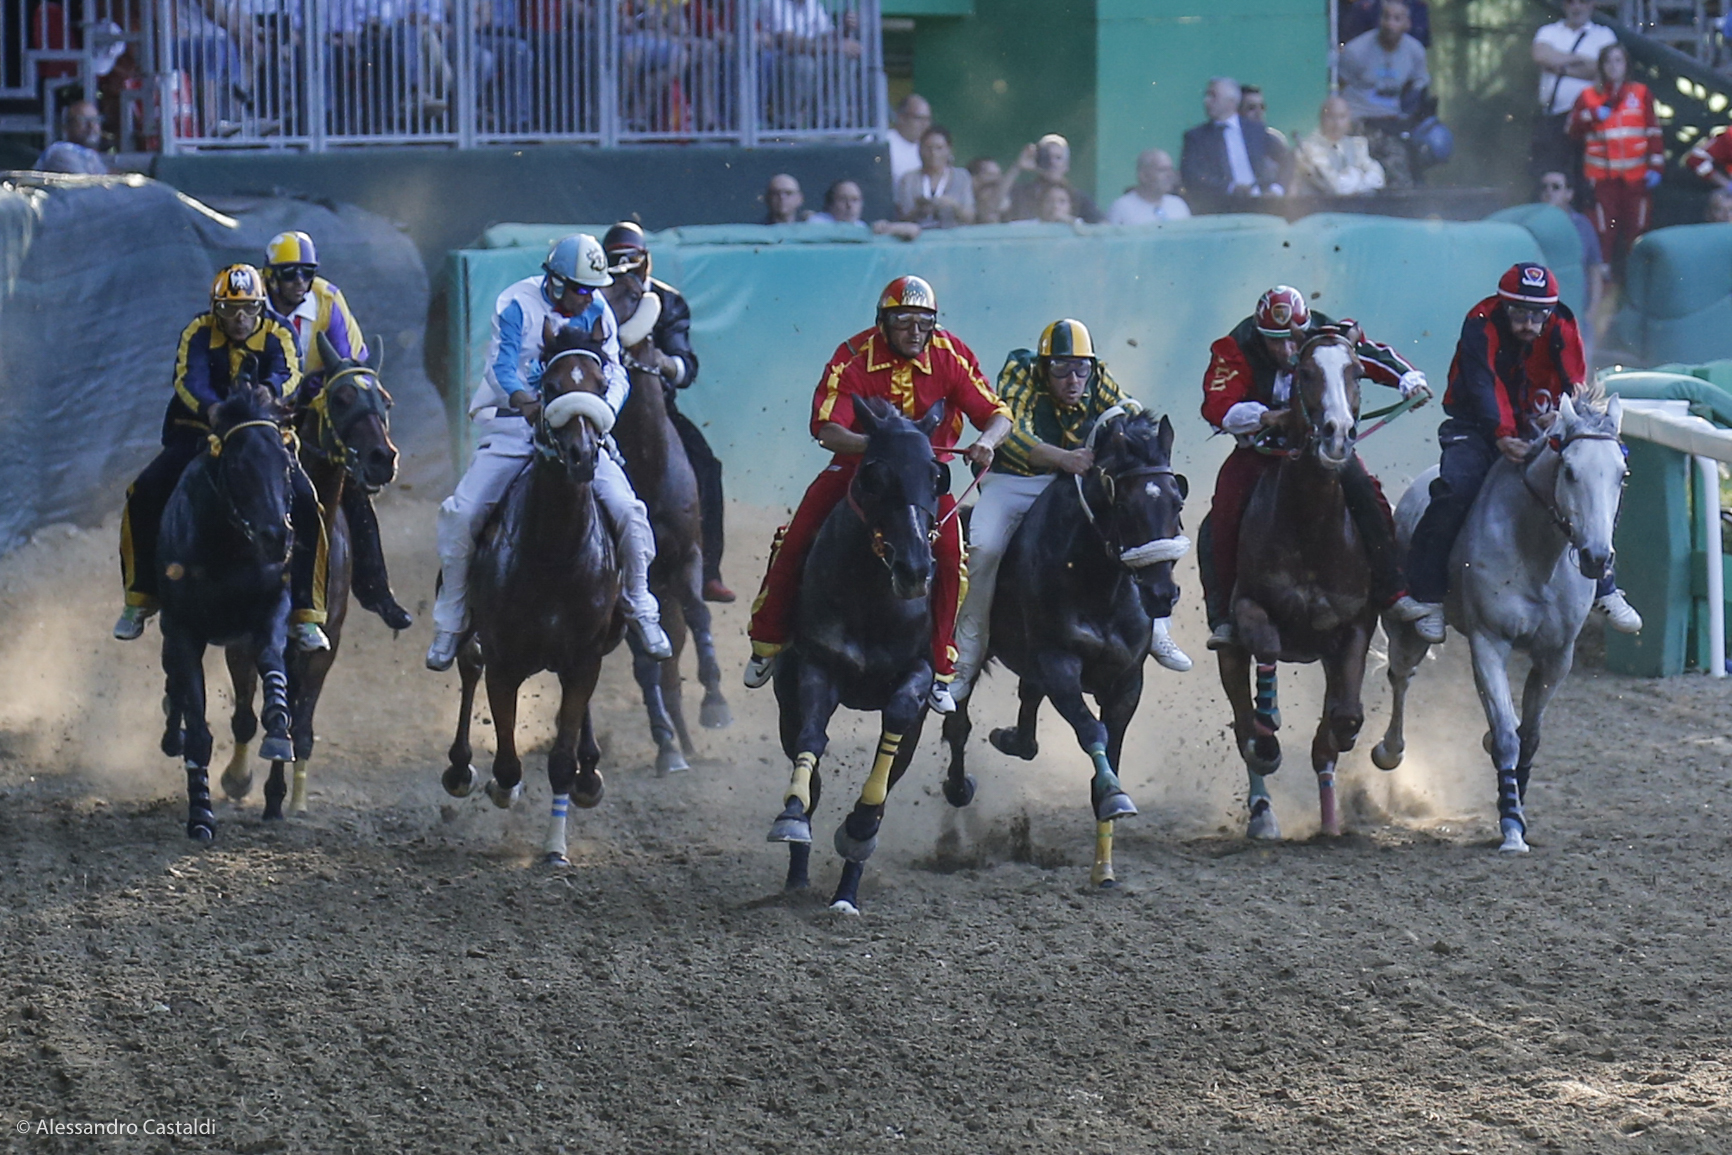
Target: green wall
1010 72
1155 56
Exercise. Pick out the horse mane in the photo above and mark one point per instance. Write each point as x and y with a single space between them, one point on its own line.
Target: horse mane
1592 393
1141 430
247 405
571 337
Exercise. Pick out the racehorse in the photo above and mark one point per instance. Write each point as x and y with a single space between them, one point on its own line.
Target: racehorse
656 463
224 556
544 591
346 444
1303 592
1069 616
1537 539
862 635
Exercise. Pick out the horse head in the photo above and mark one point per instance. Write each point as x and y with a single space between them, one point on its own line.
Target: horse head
1590 479
895 491
354 412
249 469
1326 387
575 415
1133 496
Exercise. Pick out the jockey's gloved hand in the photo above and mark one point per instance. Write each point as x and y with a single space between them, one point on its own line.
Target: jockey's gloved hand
1413 381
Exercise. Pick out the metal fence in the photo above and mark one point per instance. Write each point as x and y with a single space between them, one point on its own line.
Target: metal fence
318 74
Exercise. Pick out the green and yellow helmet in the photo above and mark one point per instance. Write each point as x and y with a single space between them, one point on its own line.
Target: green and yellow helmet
1066 338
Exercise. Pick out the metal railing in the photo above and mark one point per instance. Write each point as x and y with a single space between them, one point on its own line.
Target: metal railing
319 74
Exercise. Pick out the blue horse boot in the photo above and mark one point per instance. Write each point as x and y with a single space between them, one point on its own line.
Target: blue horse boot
1512 824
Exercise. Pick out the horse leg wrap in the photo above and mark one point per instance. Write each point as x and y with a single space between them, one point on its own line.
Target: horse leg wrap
1509 797
1267 709
1330 822
1109 798
877 786
276 746
1102 874
298 788
554 847
200 822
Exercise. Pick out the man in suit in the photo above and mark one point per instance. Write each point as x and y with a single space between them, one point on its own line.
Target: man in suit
1221 161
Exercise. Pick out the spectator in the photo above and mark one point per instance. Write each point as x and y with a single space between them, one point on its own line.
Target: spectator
1720 206
913 118
1254 114
81 134
845 204
1152 198
1383 74
1334 163
1711 158
782 200
1568 53
1361 16
937 195
1056 206
1624 154
1044 164
800 39
991 190
1220 159
1557 191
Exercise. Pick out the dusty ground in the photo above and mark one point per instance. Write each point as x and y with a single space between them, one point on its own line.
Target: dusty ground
394 972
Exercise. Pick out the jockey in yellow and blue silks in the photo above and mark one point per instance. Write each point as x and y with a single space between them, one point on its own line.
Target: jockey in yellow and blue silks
313 305
239 339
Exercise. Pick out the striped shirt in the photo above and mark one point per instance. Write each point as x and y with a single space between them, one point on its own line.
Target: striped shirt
1037 417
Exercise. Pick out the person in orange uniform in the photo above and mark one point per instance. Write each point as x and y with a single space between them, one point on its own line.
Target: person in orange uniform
907 360
1624 156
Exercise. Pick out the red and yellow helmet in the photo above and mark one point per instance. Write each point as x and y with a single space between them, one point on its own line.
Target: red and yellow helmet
1282 312
908 293
237 283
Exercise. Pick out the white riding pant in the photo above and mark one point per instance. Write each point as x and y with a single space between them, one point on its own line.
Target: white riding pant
1004 501
505 449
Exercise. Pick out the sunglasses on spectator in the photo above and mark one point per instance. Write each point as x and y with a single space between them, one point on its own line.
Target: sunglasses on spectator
1538 314
238 310
1071 366
297 272
920 322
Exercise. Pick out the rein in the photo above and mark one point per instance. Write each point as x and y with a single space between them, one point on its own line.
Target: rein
1557 445
220 489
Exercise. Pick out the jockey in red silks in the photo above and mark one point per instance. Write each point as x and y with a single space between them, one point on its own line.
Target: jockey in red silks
907 360
1247 389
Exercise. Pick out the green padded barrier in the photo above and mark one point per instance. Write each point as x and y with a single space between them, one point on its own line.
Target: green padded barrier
1678 296
770 305
1560 243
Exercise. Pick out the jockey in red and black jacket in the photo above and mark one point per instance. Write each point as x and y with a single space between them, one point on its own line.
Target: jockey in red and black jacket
1519 353
1250 375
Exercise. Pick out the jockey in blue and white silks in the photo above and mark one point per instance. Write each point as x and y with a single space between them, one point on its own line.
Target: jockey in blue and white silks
564 289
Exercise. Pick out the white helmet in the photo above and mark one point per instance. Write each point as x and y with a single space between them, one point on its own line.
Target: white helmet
579 259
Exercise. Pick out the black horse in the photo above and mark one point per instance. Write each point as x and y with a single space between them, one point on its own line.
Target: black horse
544 591
1072 611
862 635
224 557
346 451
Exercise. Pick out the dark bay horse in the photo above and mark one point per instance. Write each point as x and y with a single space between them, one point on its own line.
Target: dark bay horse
660 472
224 553
862 636
1070 613
1304 587
544 591
345 437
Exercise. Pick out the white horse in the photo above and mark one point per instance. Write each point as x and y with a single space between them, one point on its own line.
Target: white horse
1523 570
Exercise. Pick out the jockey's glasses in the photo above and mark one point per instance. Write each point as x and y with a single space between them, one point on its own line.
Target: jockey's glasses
1536 314
919 320
559 286
238 310
295 272
1071 367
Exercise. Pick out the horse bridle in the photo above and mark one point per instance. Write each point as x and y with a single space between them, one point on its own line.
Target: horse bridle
219 484
1297 401
1558 445
546 444
333 438
880 548
1110 483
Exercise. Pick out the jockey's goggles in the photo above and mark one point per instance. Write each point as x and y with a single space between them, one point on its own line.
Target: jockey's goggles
1537 313
561 286
920 320
238 310
1071 366
295 272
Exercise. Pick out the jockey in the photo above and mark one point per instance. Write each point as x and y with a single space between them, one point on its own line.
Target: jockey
504 409
1247 389
214 353
908 361
1519 352
667 351
312 305
1055 392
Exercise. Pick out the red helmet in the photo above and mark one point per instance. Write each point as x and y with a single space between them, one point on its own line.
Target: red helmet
908 293
1528 284
1282 312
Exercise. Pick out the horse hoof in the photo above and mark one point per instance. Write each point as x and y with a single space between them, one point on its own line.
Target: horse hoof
791 829
460 781
272 813
1262 754
502 796
1107 884
277 749
555 858
1004 741
714 713
959 793
1263 827
854 849
202 829
237 786
583 795
843 906
670 760
1118 804
1383 759
1514 837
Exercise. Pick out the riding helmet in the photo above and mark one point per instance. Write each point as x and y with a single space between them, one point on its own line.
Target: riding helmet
1066 338
908 293
1282 312
1529 284
627 249
237 283
290 249
579 258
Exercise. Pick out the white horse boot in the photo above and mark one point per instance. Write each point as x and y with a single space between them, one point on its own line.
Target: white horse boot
1165 650
1430 627
1620 614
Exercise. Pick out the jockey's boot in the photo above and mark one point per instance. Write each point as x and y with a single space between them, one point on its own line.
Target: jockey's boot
1430 625
1165 650
1405 609
940 699
370 580
130 624
443 651
1221 637
715 591
652 637
759 670
308 636
1620 614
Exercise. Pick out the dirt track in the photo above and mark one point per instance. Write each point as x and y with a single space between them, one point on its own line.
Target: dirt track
393 972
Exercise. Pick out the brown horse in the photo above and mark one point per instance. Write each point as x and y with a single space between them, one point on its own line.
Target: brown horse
544 591
660 472
345 442
1303 592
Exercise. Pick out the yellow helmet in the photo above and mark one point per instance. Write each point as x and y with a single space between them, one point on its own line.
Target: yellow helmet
291 249
1066 338
238 283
